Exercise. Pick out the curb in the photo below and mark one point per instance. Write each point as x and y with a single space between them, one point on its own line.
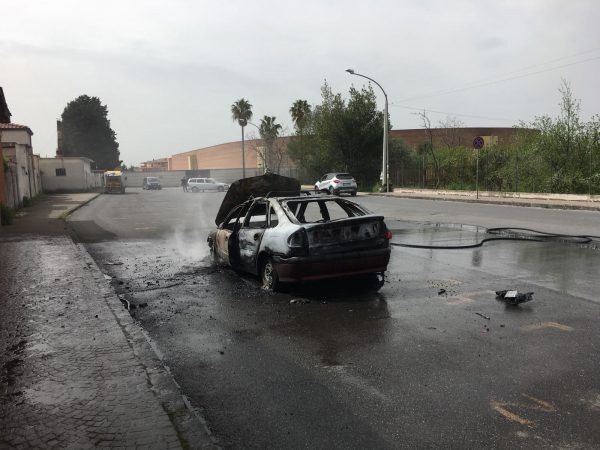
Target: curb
491 202
64 216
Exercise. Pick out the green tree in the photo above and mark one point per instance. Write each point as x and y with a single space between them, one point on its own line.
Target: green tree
269 131
86 132
348 135
565 148
300 112
241 111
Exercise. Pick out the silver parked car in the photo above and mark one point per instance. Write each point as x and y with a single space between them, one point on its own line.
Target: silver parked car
336 183
206 184
289 237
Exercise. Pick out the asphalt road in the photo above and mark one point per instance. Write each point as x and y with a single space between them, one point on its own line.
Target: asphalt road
431 360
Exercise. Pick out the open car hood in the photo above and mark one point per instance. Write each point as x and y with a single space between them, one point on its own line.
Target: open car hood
242 190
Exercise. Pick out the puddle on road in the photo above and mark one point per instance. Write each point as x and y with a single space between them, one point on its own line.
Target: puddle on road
435 233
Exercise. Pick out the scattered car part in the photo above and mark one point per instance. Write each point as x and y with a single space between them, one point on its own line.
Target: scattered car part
514 297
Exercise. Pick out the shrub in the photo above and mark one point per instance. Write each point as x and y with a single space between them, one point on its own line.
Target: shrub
6 215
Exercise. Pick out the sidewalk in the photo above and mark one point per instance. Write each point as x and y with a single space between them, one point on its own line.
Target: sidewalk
578 202
75 370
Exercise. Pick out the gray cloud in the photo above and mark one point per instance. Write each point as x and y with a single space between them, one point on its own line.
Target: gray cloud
169 73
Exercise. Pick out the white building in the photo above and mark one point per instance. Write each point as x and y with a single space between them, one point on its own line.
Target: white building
69 174
22 163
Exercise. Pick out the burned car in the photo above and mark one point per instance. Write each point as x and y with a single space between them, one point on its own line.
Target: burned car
290 236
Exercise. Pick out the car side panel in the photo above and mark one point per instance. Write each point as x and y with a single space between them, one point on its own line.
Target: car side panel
221 245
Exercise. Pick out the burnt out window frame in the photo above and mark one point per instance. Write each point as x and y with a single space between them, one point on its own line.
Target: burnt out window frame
235 213
352 209
272 211
246 222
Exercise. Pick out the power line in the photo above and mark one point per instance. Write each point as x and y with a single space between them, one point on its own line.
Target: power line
482 84
453 114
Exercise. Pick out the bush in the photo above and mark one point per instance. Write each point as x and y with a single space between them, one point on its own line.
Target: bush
6 215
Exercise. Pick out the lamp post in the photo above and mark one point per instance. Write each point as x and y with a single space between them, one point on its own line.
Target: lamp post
385 168
243 123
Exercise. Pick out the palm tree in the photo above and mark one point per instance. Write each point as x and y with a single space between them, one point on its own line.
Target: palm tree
269 131
300 112
242 112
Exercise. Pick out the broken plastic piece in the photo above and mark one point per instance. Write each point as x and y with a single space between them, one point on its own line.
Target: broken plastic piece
515 297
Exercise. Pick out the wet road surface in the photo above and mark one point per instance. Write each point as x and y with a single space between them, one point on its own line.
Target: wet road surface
431 360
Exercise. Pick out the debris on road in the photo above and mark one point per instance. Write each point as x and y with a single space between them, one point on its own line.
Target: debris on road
107 277
514 297
441 291
113 263
299 301
481 315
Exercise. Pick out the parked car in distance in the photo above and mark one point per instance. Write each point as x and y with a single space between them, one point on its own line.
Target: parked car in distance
336 183
206 184
302 237
151 183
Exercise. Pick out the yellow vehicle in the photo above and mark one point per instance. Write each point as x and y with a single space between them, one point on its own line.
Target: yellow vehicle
113 182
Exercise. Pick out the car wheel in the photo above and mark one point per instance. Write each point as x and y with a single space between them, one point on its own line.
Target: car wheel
220 189
194 189
268 275
331 190
353 193
316 190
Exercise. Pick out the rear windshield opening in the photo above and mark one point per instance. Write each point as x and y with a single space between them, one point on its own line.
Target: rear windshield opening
344 176
152 179
315 211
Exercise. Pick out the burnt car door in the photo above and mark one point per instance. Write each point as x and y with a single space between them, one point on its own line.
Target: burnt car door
250 235
224 243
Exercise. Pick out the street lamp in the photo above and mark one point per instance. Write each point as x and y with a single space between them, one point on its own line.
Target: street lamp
243 123
385 168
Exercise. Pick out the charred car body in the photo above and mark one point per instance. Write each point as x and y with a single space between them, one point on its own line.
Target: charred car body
290 237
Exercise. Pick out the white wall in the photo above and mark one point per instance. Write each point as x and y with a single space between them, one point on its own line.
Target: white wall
171 178
20 155
17 136
78 178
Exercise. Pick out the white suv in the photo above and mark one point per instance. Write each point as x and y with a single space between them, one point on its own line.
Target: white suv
337 183
206 184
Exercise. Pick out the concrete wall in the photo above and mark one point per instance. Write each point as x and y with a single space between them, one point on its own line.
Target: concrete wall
167 179
13 196
17 136
172 178
78 178
19 154
3 199
222 156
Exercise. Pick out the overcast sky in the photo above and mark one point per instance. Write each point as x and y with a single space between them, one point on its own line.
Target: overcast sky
169 71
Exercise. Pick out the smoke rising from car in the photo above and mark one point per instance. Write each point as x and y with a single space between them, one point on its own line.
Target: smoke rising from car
188 239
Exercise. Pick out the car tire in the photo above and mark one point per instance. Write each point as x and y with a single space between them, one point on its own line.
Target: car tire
268 275
330 190
194 189
220 189
353 193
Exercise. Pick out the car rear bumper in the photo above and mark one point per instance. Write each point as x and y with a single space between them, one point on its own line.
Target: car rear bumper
306 268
